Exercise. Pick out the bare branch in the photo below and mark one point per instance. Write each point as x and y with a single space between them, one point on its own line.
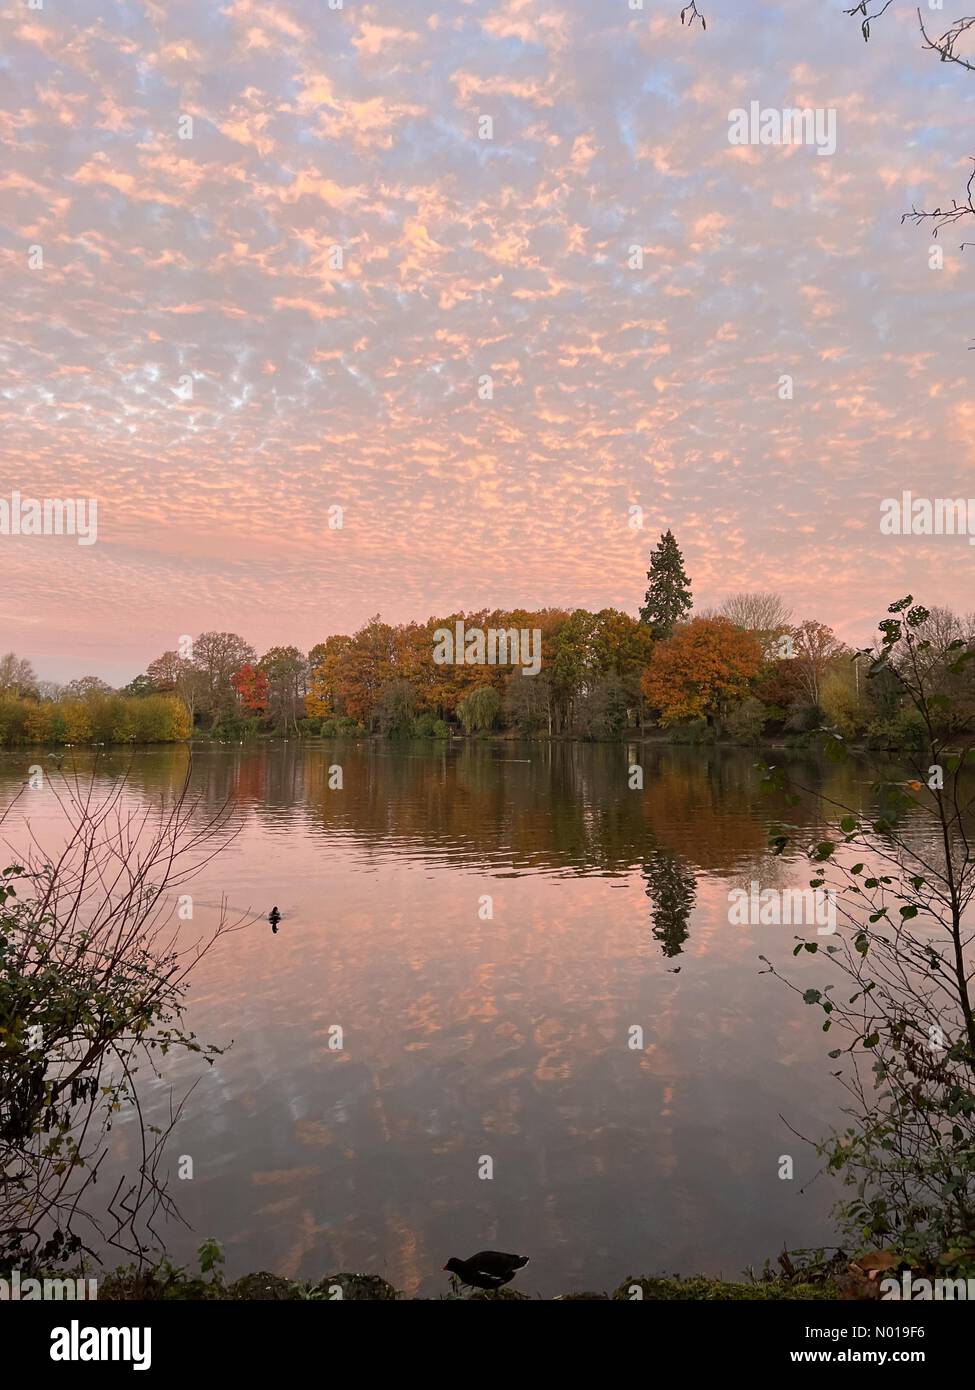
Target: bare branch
862 9
946 45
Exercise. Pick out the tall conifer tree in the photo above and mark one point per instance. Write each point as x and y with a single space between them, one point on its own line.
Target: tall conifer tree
668 598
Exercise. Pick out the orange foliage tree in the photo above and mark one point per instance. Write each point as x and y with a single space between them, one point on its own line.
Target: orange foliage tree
324 660
250 685
706 665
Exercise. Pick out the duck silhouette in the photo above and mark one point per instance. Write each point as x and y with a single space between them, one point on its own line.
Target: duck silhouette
488 1269
274 917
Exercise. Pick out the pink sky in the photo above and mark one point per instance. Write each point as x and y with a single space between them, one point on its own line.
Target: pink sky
316 386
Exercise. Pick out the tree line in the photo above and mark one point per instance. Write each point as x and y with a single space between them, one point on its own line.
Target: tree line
744 671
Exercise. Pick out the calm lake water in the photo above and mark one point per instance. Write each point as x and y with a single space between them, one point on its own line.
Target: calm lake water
509 1037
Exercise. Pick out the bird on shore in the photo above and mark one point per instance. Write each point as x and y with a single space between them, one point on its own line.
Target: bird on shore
274 917
488 1269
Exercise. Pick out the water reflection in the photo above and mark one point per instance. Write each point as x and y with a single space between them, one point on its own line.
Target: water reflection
559 808
505 1035
670 887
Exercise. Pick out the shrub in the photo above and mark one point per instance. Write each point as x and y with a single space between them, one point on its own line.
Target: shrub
91 990
745 723
904 1038
695 732
905 731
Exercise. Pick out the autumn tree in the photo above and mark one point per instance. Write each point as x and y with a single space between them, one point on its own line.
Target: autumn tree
620 644
526 704
570 662
17 676
217 656
324 661
167 670
285 671
781 689
442 687
668 597
698 672
365 666
84 687
250 684
139 686
816 650
181 676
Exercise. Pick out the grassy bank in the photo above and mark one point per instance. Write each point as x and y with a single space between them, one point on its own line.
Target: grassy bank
263 1287
818 1278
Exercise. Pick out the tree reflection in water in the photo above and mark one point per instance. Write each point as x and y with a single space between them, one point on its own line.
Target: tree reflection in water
671 890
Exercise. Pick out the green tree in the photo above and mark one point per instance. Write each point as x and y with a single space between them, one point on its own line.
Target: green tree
668 597
479 709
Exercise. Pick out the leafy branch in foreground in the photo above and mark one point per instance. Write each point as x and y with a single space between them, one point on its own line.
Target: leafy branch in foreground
94 969
904 879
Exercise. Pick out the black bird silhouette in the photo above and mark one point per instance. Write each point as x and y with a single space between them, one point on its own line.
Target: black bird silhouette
274 917
488 1269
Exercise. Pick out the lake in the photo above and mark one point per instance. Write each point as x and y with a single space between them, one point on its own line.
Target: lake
468 1036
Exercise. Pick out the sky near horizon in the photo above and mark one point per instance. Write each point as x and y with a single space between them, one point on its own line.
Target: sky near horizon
361 385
